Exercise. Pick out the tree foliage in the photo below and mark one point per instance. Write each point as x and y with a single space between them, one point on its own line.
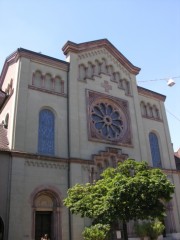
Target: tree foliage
151 229
96 232
129 192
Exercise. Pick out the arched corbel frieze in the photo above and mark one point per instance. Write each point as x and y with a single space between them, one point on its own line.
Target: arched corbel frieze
104 159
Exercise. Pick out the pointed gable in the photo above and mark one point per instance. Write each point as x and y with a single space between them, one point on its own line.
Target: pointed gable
95 45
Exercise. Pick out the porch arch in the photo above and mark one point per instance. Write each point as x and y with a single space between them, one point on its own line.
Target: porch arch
46 213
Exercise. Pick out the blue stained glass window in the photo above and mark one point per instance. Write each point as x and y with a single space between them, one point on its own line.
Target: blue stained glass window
46 132
155 153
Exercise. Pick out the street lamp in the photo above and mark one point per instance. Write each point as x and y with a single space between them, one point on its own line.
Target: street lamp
170 82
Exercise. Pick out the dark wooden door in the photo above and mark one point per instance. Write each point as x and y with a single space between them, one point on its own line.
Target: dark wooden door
43 224
1 229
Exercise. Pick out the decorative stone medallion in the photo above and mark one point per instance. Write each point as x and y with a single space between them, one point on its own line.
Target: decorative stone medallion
108 119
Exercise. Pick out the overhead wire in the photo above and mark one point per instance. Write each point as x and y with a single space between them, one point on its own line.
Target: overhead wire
159 79
163 79
173 115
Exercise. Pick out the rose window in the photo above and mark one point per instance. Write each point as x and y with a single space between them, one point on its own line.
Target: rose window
108 120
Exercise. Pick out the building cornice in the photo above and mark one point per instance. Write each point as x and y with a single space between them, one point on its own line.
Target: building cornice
49 158
171 171
32 156
151 94
102 43
87 162
33 56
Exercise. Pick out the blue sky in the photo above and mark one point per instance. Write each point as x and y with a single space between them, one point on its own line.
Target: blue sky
147 32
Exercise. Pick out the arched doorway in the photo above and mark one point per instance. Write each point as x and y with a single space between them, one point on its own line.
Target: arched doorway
46 215
1 229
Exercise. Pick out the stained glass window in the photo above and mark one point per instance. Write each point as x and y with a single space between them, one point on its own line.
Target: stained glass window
107 120
46 132
155 152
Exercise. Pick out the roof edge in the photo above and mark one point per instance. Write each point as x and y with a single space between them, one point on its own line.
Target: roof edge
21 52
150 93
85 46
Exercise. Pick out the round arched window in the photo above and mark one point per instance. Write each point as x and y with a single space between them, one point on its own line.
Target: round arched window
109 119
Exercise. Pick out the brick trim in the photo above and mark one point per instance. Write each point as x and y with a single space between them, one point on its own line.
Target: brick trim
86 46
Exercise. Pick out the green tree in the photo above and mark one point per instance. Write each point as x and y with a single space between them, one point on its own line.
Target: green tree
151 229
96 232
131 191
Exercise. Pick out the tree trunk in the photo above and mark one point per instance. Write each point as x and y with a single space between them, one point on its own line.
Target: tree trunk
125 230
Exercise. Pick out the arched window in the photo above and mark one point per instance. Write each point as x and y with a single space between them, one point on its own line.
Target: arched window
46 132
156 112
37 79
117 78
106 163
104 66
143 109
48 84
82 72
6 122
99 170
90 70
97 68
110 71
155 152
127 87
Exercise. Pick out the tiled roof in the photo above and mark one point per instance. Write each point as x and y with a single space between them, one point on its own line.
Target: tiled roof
177 154
2 97
3 138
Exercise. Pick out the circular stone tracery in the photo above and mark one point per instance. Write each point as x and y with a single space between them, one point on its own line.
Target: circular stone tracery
108 120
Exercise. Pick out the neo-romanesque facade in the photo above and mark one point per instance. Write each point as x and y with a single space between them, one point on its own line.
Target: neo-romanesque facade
62 123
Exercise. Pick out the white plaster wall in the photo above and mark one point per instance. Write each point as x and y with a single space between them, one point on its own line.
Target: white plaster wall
87 148
25 179
79 174
162 131
176 200
158 128
45 69
58 105
12 73
21 105
81 147
166 151
30 102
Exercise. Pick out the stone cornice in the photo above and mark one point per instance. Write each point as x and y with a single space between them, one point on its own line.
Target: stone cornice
47 91
151 94
45 164
103 43
34 56
49 158
172 171
37 156
107 54
32 156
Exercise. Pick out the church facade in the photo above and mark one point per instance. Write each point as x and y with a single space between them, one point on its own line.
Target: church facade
62 123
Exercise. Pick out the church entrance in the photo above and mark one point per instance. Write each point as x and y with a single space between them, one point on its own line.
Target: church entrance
43 224
46 207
